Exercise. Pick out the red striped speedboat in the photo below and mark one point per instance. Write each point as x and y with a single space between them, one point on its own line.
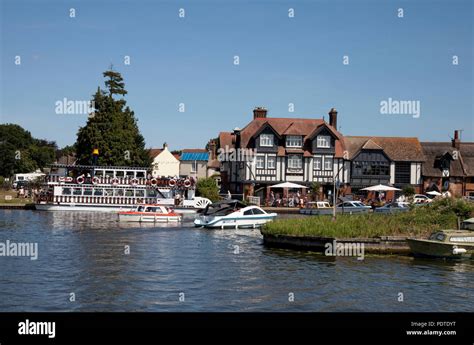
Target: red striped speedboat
149 213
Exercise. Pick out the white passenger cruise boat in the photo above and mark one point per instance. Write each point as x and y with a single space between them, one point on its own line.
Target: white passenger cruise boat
113 189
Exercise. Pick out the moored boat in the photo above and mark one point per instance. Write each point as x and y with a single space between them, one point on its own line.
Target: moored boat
149 214
233 214
452 244
317 208
113 189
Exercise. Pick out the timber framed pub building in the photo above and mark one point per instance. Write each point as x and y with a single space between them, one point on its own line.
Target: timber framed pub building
305 151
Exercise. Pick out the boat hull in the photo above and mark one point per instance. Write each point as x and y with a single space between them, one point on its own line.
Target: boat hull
234 223
427 248
148 218
100 208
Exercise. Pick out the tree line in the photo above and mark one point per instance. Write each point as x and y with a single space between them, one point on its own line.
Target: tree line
111 132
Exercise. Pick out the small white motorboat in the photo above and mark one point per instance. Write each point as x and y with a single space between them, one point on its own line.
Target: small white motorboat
149 213
233 214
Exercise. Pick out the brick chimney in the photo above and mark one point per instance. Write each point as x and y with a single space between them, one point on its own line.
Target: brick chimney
213 149
456 142
333 117
259 112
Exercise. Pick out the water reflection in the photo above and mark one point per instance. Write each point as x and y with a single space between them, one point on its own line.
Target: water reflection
221 270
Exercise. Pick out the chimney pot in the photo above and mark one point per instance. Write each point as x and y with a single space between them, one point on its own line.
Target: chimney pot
259 112
456 142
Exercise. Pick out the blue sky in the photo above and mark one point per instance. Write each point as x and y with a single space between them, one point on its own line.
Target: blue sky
282 60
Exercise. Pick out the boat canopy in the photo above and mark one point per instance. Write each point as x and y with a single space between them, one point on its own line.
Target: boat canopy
223 205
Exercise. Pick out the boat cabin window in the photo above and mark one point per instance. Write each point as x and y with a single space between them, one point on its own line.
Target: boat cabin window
120 174
130 174
118 192
140 174
87 191
98 191
99 173
439 236
153 209
151 193
248 213
140 209
109 173
66 191
77 191
468 239
109 192
129 192
140 193
258 211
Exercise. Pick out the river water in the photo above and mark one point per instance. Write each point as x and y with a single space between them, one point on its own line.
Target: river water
90 262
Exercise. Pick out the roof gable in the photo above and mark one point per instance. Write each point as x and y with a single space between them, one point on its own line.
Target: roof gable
322 127
265 126
371 145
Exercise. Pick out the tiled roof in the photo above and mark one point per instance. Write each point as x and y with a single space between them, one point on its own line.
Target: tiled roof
225 139
286 126
195 156
154 152
463 166
302 127
396 148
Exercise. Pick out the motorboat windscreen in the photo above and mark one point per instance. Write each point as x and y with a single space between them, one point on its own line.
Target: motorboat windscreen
224 207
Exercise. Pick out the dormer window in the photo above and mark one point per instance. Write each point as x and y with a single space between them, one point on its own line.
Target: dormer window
266 140
294 141
324 141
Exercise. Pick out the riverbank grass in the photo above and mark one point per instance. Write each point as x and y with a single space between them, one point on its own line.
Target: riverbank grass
418 222
5 196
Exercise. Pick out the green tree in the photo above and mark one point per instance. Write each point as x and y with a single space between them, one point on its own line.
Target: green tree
207 188
112 129
68 150
408 191
21 153
315 190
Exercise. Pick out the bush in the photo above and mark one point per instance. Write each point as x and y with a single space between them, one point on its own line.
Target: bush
420 221
207 188
408 191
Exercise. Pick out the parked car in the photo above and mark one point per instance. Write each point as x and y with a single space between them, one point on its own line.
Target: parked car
20 184
393 207
420 199
469 198
352 207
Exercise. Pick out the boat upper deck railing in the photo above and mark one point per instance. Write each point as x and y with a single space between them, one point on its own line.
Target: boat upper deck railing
97 167
121 181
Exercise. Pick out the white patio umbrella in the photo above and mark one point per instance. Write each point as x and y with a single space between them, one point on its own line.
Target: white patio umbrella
288 185
434 193
380 188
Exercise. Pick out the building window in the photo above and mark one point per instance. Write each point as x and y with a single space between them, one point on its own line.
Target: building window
266 140
271 162
194 166
318 163
260 162
324 141
295 162
371 164
402 172
294 141
328 163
